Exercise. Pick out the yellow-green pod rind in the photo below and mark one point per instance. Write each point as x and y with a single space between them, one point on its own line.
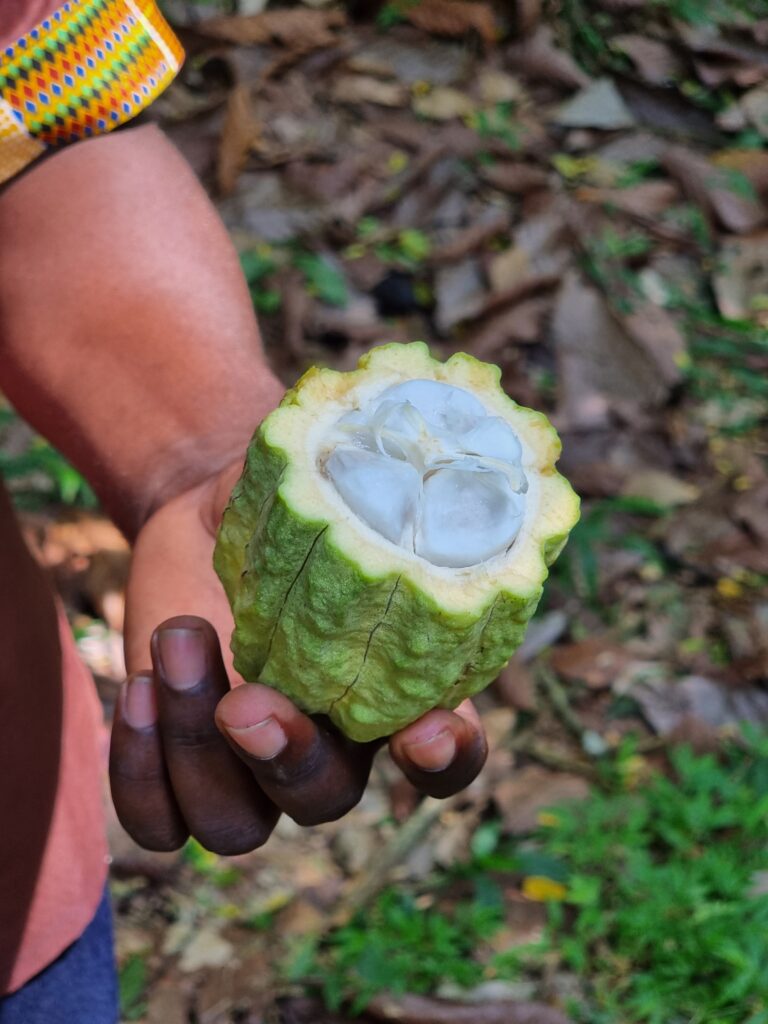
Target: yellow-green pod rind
340 620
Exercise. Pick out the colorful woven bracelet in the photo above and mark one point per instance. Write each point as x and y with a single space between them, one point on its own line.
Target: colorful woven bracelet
88 68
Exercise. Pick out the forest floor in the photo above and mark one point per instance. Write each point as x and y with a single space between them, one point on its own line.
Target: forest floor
578 192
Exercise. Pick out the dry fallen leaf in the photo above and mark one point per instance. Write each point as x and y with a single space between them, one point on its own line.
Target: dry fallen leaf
411 1009
169 1003
715 190
472 238
521 324
459 293
239 135
527 16
443 104
454 18
749 509
656 61
601 368
598 105
509 268
539 58
516 178
596 662
296 29
669 112
752 163
516 688
304 1010
740 280
499 87
668 703
646 200
527 791
658 334
660 487
720 59
365 89
207 948
755 105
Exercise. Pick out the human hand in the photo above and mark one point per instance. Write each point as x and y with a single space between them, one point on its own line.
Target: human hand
192 755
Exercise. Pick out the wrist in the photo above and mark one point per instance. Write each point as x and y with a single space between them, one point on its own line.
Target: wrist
208 464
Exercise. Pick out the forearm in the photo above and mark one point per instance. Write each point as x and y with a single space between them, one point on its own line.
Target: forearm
127 335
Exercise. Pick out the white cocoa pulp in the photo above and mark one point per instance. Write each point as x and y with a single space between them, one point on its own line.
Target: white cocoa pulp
427 467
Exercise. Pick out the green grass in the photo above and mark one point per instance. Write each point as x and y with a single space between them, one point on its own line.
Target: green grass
258 265
404 248
321 278
587 30
393 13
652 905
132 983
497 122
607 524
712 12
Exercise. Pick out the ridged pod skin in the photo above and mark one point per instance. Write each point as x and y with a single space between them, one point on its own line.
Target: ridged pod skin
340 620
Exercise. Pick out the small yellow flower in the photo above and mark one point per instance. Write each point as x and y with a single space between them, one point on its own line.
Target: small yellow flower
651 572
682 360
729 588
547 819
397 162
634 771
743 483
542 889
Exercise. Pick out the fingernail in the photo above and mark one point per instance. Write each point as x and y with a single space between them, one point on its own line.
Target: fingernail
264 740
139 707
434 754
182 657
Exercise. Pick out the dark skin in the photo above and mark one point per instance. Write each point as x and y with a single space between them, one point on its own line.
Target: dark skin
183 772
141 360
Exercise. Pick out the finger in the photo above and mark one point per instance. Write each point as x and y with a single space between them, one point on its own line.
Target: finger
221 805
141 788
443 751
307 768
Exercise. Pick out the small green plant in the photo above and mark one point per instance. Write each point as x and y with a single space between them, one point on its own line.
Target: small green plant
616 522
402 946
727 365
610 258
209 865
655 892
405 248
258 265
497 122
393 13
132 984
729 13
660 913
588 30
322 279
637 171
